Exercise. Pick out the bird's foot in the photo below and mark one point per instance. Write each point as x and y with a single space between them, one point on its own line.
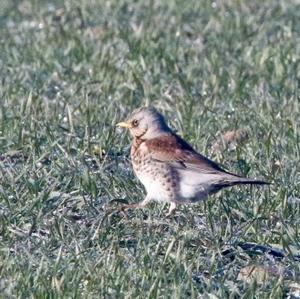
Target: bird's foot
139 205
130 206
124 208
172 209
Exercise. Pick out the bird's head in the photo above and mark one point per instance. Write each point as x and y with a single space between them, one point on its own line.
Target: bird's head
145 123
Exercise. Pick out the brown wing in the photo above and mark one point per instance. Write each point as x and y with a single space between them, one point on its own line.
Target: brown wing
173 149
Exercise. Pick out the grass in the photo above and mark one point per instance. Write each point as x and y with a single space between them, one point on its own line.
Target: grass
70 70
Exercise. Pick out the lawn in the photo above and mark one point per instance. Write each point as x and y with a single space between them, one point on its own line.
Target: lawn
70 70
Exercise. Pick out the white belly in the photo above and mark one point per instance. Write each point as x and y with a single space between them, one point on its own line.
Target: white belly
154 188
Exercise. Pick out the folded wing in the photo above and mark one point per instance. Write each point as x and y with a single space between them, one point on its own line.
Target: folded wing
174 150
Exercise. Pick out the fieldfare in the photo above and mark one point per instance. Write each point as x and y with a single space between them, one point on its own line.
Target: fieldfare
169 168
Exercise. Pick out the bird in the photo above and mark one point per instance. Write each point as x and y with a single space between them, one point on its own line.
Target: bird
170 169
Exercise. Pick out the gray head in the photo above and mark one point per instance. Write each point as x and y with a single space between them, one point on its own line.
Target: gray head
146 123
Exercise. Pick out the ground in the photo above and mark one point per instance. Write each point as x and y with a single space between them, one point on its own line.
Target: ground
70 70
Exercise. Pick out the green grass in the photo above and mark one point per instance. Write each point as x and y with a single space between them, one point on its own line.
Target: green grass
70 70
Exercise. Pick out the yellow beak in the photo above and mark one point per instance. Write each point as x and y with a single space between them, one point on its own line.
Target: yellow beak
124 125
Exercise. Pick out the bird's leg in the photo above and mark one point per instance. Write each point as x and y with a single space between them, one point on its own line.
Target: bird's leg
171 209
139 205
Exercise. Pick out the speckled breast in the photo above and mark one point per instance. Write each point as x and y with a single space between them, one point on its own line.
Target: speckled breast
159 179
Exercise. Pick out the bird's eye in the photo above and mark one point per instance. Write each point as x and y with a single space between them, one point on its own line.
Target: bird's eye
135 122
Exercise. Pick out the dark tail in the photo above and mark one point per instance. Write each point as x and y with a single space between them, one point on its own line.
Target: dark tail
240 180
233 180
